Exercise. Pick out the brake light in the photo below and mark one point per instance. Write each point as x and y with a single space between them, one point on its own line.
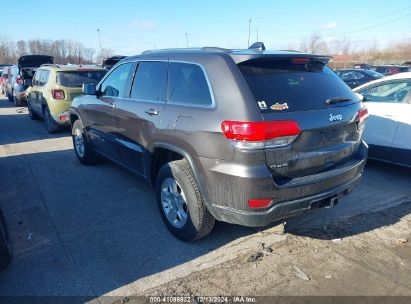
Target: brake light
260 135
259 203
58 94
362 115
300 60
19 80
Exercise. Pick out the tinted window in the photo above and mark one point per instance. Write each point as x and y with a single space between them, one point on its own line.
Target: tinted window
115 83
387 92
374 74
188 85
350 75
75 79
150 82
280 85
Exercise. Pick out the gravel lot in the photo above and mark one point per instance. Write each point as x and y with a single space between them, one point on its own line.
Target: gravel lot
95 231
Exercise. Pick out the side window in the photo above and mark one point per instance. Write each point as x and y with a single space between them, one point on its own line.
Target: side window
115 83
44 77
36 78
387 92
150 82
188 85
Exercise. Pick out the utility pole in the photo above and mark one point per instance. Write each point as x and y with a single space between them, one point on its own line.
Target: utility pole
249 31
99 39
186 40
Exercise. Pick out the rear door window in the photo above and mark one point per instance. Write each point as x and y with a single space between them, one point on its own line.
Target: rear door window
283 86
188 85
75 79
150 81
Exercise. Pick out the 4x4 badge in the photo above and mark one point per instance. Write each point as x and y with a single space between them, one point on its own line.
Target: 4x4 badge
279 106
333 117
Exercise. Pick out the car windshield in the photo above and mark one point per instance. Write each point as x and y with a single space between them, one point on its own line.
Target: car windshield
75 79
280 85
374 74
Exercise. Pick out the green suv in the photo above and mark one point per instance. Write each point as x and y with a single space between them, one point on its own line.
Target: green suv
53 89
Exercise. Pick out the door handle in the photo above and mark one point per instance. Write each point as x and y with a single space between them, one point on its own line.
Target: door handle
152 112
112 105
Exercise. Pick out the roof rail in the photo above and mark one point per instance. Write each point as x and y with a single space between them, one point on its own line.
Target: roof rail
51 64
295 51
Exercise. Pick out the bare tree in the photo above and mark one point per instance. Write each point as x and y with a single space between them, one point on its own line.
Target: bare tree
105 53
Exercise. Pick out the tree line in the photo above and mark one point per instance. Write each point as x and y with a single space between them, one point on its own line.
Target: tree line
74 52
63 51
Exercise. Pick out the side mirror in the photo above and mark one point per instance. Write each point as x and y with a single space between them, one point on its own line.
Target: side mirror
89 88
28 82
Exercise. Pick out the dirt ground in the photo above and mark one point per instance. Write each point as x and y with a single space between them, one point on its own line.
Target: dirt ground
374 263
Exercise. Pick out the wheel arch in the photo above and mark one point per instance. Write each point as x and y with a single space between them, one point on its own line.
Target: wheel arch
179 153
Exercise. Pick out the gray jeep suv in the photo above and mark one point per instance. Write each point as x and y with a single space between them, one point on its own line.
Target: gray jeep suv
242 136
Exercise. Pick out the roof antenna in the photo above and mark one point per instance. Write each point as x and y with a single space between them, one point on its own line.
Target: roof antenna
258 46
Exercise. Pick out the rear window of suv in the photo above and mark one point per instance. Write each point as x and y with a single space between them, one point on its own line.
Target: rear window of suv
283 86
75 79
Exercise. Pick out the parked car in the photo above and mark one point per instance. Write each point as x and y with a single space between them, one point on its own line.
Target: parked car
3 79
362 66
223 134
108 63
53 89
391 69
20 77
388 129
5 244
356 77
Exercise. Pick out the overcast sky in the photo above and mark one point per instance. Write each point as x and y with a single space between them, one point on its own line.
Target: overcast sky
129 27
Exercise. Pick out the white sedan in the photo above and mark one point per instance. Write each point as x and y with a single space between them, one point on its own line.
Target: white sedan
388 129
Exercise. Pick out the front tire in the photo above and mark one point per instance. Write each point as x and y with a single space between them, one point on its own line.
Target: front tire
82 146
181 205
51 125
10 97
5 244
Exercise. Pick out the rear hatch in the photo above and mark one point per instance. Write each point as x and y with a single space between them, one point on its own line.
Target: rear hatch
34 61
304 90
28 65
72 80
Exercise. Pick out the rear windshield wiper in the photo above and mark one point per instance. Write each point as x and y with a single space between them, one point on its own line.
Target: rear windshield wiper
336 100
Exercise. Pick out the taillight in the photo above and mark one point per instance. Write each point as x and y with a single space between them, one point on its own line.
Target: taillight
260 135
259 203
58 94
300 60
19 80
362 115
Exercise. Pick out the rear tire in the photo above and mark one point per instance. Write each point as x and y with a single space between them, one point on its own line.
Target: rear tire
82 145
17 102
51 125
182 208
5 244
32 115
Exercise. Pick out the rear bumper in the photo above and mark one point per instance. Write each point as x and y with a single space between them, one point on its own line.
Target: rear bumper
284 210
231 190
62 119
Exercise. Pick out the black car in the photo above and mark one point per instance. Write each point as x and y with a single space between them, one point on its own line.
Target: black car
357 77
242 136
108 63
